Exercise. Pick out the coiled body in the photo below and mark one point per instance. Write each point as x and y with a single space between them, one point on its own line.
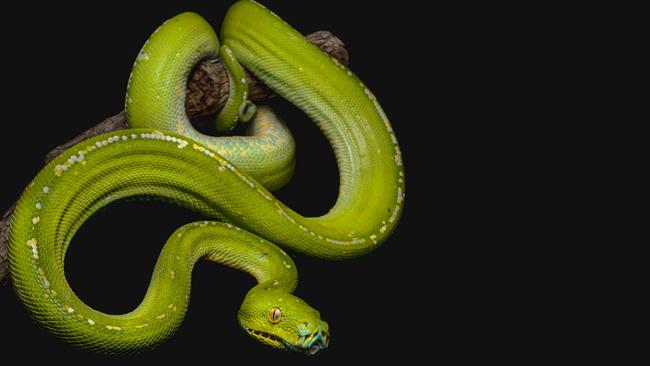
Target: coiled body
172 164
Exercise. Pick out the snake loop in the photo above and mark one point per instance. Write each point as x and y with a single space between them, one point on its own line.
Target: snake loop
229 179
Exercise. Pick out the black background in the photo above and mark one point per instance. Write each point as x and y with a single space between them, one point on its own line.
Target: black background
69 70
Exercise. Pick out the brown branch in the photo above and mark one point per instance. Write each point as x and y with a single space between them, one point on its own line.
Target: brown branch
207 92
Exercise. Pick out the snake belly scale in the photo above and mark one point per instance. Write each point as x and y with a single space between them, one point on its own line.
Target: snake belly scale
229 179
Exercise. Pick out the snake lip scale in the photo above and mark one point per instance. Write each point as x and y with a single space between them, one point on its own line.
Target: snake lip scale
226 179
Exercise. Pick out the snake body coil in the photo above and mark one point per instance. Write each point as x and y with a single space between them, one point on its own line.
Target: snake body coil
229 179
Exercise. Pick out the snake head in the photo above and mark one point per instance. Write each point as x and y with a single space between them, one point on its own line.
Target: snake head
282 320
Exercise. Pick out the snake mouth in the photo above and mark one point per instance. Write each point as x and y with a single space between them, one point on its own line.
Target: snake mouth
309 345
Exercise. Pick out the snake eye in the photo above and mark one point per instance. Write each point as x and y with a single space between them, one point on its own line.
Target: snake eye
275 315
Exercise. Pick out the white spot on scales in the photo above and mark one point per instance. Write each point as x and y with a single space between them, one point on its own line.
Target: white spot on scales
33 244
143 56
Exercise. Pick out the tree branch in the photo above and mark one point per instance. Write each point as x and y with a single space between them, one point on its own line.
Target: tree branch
207 93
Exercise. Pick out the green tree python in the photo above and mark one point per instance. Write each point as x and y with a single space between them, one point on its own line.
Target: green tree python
228 179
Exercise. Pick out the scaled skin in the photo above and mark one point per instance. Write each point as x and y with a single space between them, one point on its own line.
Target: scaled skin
174 167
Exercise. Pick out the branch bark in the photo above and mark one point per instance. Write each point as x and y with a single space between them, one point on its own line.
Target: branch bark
207 93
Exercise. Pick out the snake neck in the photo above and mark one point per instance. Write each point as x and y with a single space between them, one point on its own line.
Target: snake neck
271 266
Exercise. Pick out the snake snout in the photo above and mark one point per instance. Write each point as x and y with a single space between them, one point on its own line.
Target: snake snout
320 341
316 346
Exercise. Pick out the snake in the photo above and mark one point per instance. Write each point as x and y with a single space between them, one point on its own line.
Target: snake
227 179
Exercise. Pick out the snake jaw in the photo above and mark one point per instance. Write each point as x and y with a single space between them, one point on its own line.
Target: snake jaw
310 345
